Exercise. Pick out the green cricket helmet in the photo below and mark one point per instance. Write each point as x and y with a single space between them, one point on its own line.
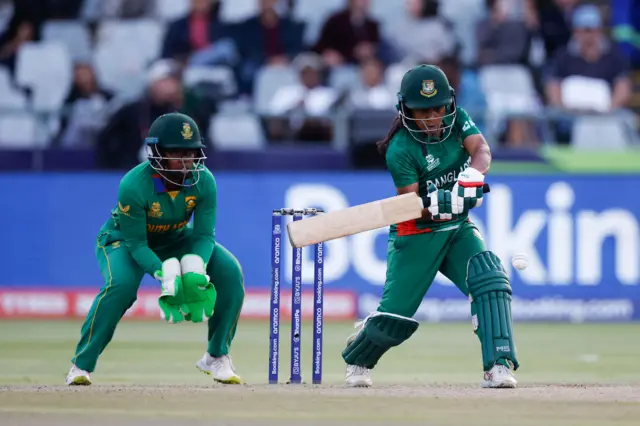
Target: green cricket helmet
423 87
170 133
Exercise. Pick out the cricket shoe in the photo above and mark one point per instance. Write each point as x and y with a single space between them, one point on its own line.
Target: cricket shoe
499 376
78 377
220 368
358 377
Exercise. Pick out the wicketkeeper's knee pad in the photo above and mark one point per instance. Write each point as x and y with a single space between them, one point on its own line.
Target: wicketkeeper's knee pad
380 332
490 294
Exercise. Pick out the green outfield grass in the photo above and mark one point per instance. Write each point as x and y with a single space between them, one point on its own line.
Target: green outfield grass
570 374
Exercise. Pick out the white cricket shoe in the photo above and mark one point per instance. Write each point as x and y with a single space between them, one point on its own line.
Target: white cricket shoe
78 377
358 377
220 368
499 377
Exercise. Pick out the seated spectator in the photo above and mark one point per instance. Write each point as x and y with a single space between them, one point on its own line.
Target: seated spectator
502 38
596 63
64 9
554 23
120 141
24 26
423 35
96 10
84 108
200 38
349 36
266 39
306 104
373 93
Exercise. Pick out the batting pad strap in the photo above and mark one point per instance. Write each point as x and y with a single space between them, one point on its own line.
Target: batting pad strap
381 332
490 293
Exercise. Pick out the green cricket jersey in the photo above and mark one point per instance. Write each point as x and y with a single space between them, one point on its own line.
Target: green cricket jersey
149 218
410 161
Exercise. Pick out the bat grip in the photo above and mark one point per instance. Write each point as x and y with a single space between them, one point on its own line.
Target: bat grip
426 201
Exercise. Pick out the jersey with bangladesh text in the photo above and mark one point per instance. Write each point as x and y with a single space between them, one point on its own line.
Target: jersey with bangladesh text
410 161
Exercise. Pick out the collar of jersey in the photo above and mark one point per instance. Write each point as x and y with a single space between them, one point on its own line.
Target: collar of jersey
158 182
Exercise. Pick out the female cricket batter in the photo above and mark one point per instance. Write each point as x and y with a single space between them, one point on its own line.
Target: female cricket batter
435 150
149 232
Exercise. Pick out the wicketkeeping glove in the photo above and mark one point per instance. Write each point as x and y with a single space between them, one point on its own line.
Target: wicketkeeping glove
171 297
440 203
199 295
467 192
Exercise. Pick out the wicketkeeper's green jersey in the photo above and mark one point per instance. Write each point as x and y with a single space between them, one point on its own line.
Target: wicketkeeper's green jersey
149 218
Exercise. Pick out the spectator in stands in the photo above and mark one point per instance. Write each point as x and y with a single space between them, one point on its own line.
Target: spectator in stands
24 26
349 36
200 38
503 38
306 105
423 36
84 108
554 23
373 93
120 142
96 10
588 66
266 39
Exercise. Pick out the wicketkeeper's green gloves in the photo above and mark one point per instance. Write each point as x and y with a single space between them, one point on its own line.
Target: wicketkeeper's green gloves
199 295
171 299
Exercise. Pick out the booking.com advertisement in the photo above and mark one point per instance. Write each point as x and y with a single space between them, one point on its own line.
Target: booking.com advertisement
580 233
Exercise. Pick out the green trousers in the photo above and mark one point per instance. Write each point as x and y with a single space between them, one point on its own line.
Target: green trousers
414 260
122 277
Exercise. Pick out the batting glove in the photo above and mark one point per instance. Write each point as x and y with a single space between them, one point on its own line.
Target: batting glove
467 192
440 203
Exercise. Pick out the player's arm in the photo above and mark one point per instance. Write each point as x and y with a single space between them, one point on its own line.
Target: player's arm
133 225
478 148
404 175
473 142
204 221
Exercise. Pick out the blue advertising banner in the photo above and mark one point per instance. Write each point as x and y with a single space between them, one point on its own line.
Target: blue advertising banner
580 233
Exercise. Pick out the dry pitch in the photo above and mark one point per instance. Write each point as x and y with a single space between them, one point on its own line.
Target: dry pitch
584 375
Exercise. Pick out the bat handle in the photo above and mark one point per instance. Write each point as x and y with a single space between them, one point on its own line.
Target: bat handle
426 201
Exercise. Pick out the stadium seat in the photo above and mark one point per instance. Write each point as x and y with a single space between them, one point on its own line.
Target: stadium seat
345 78
170 10
21 130
508 88
12 98
464 24
236 132
268 81
219 75
314 13
147 33
72 34
580 92
393 76
238 10
600 133
45 68
388 13
120 68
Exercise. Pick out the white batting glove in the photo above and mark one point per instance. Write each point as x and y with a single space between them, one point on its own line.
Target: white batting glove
467 192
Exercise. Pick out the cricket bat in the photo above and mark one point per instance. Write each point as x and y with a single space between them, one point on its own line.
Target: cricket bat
353 220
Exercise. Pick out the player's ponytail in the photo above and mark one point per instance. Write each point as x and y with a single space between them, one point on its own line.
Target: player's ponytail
384 143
